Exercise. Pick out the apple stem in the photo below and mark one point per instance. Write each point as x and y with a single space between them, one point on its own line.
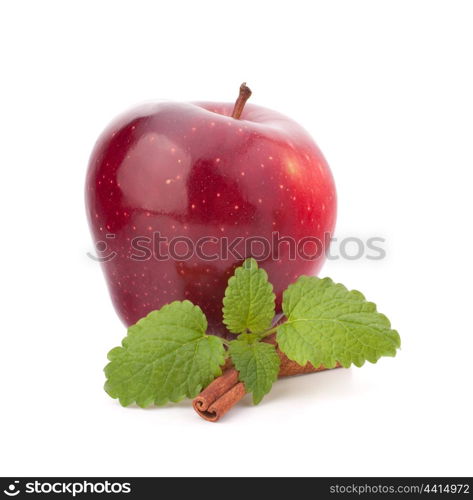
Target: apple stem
245 94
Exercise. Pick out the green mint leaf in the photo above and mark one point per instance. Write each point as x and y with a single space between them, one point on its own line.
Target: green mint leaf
248 337
327 323
166 356
258 364
249 300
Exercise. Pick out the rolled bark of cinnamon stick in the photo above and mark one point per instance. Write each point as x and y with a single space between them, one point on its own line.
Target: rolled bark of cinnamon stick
225 391
219 396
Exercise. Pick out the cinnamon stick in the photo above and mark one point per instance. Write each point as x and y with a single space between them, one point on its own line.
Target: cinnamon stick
218 397
225 391
290 368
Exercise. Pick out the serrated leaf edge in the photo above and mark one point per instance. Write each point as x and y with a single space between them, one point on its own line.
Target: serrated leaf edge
361 298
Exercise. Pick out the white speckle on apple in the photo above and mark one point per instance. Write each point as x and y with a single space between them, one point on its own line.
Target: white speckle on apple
168 181
270 157
236 207
217 160
260 200
193 206
218 195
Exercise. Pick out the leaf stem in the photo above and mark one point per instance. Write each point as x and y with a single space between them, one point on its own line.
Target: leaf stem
269 332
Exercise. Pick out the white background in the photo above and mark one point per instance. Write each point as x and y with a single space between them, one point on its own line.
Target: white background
386 90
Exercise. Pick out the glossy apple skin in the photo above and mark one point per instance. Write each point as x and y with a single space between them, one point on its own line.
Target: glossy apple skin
189 169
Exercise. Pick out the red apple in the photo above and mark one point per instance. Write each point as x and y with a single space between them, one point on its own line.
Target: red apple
171 170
